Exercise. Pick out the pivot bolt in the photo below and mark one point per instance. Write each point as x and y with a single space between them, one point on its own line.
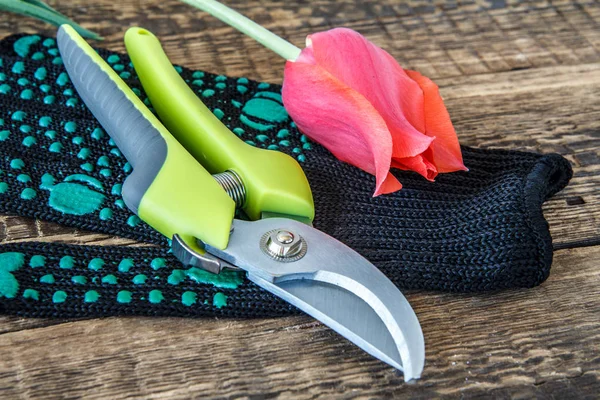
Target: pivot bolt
283 245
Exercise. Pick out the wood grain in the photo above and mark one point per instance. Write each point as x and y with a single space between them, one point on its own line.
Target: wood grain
514 74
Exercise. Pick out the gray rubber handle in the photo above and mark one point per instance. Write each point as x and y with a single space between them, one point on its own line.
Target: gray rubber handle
122 115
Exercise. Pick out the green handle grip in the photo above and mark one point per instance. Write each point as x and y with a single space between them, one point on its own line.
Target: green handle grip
168 188
274 181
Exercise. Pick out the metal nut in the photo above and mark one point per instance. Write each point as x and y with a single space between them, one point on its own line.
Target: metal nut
283 245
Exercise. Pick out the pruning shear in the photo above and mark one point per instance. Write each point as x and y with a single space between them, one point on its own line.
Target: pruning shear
191 173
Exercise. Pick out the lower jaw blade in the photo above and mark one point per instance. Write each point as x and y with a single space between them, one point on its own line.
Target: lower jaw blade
397 344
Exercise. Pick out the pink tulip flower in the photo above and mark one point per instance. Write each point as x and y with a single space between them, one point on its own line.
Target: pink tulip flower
352 97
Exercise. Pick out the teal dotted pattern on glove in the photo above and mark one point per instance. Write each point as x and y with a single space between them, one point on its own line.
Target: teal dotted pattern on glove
90 185
43 124
76 279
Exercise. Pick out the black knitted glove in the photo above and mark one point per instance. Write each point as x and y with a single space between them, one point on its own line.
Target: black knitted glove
468 231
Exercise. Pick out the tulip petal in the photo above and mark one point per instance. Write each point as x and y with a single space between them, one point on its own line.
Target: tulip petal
371 71
446 154
340 119
419 164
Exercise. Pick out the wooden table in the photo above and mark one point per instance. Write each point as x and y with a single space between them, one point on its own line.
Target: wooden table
514 74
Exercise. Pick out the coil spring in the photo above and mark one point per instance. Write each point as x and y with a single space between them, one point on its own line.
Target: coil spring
233 186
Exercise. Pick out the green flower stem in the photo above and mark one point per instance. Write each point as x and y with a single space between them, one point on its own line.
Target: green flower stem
40 10
245 25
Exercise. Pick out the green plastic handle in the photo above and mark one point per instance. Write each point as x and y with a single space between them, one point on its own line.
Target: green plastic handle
168 188
274 181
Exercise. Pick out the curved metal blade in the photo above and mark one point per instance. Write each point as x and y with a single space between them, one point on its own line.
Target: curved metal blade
335 285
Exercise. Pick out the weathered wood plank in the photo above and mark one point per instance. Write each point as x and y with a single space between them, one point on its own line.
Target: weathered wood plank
14 228
11 323
539 342
447 38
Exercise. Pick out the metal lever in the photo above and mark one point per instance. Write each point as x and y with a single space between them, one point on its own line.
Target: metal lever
191 258
234 187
